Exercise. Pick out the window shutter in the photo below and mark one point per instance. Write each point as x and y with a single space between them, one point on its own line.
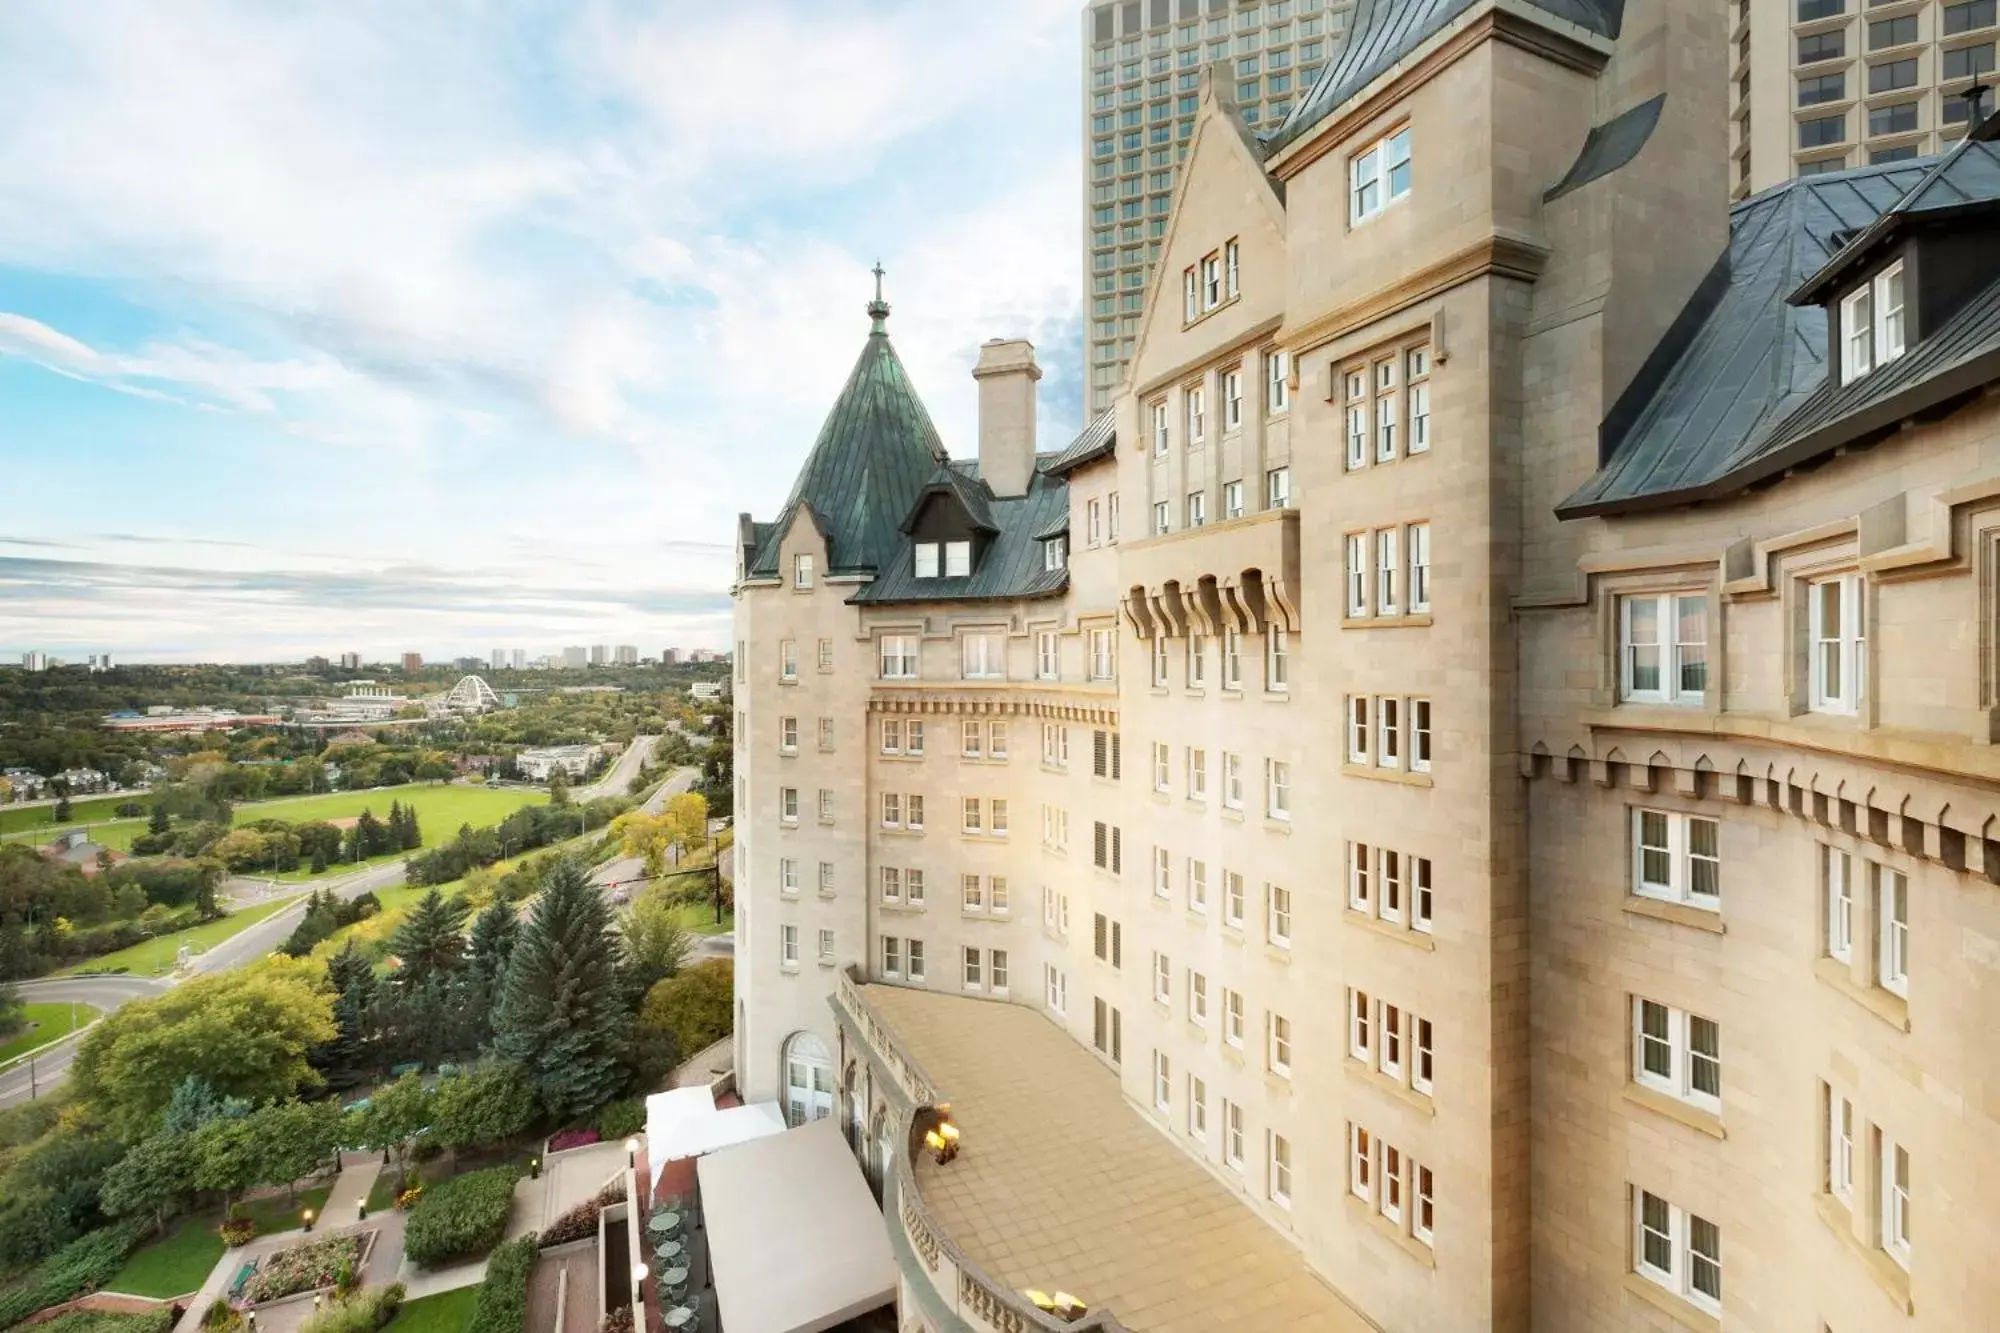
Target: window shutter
1117 852
1117 945
1098 936
1117 764
1098 756
1098 849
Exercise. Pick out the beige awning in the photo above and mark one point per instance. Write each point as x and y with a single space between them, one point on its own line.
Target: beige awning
795 1240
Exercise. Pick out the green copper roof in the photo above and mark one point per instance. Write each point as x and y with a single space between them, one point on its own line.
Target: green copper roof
875 452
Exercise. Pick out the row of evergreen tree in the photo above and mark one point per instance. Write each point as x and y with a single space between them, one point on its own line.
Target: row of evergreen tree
369 836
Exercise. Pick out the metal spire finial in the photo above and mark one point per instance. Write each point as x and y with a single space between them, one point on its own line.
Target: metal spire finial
878 309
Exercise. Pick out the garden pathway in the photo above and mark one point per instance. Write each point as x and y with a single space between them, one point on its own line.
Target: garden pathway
358 1171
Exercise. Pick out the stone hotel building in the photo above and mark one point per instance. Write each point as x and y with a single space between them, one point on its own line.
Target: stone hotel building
1466 798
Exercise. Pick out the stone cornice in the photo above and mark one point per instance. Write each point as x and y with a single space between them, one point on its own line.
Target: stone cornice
1258 333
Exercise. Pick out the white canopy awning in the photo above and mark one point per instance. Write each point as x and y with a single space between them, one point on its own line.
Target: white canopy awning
685 1122
795 1241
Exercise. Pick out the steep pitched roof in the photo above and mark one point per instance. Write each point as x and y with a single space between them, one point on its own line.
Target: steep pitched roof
1098 439
1381 34
973 496
1965 178
875 452
1727 379
1011 565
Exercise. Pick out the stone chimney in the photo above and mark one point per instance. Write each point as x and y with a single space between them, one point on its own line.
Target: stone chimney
1007 373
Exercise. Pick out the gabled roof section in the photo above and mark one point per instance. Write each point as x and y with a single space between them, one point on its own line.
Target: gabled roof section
1098 440
971 494
1725 383
1964 180
875 452
1011 565
1381 34
1610 146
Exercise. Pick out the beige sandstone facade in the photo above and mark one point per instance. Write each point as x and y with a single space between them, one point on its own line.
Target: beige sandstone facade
1488 952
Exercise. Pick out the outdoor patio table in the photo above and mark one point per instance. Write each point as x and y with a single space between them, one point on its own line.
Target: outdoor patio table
668 1249
664 1224
680 1317
674 1278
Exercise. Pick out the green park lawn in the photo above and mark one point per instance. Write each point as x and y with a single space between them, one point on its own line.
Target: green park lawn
181 1260
699 919
446 1312
152 957
46 1022
17 818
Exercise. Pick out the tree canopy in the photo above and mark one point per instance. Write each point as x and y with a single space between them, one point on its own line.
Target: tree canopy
563 1014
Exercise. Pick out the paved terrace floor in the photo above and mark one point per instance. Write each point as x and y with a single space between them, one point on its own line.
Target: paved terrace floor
1060 1185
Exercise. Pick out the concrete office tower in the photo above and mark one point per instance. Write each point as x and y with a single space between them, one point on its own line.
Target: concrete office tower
1142 61
1466 798
1824 85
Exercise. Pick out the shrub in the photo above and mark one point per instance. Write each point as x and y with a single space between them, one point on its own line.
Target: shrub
221 1317
86 1263
104 1321
237 1231
573 1138
621 1118
579 1223
618 1321
502 1306
613 1192
407 1199
306 1266
363 1312
460 1218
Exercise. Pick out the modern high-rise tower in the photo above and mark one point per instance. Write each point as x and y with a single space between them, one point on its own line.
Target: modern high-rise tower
1142 62
1824 85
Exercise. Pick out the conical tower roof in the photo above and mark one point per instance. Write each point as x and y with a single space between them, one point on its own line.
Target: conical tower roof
875 452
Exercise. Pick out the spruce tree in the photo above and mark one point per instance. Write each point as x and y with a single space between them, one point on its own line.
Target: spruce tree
161 822
563 1013
392 832
428 941
494 932
355 1048
413 837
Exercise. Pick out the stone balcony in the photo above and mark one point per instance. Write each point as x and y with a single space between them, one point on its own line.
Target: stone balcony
1060 1185
1242 574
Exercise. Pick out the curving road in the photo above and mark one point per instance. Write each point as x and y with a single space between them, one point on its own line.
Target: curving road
619 776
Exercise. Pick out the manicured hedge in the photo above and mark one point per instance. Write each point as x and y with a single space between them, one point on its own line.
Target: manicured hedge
460 1218
363 1312
85 1264
104 1321
503 1296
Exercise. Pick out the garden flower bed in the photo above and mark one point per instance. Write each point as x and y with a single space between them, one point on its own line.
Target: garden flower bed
572 1138
306 1266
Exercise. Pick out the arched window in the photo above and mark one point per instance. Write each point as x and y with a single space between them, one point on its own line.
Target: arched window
880 1135
808 1079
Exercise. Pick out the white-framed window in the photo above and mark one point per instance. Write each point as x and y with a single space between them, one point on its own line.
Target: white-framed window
1277 661
1663 647
1162 873
1232 1133
971 893
915 732
1356 566
788 946
826 733
957 559
1677 1250
996 740
971 822
1163 1082
1197 509
1055 989
1211 282
1163 518
1055 553
1892 928
1232 1017
1896 1201
1197 1098
1378 176
913 811
913 885
1278 789
996 971
915 949
892 885
1388 572
1278 916
1197 659
1677 1053
1388 732
1358 730
1232 399
996 895
1360 878
1839 1147
825 945
788 660
1232 898
1160 441
1111 518
1423 1055
1677 858
788 876
1389 879
1190 296
1388 413
1278 488
1278 1171
1277 381
1232 276
1162 766
1103 655
1232 780
974 968
1420 894
1232 659
1423 1223
1157 659
1360 1163
1197 774
1416 379
1417 550
1838 613
1278 1048
1163 978
788 735
1197 998
1390 1175
892 736
1197 414
826 879
1360 1027
1389 1027
1197 884
983 657
924 560
1048 655
1355 395
1837 872
826 805
899 657
802 571
788 804
1093 527
1872 323
1232 499
1420 735
892 956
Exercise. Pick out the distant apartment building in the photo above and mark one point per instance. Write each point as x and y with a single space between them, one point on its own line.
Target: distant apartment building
518 659
350 661
600 654
498 659
1826 85
572 760
100 661
1142 64
670 657
626 655
413 662
1523 859
575 658
35 661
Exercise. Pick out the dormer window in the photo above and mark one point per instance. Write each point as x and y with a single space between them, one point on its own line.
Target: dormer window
957 559
927 560
802 571
1055 552
1871 323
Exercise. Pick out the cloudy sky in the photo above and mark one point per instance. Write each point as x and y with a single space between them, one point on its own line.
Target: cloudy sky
474 323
